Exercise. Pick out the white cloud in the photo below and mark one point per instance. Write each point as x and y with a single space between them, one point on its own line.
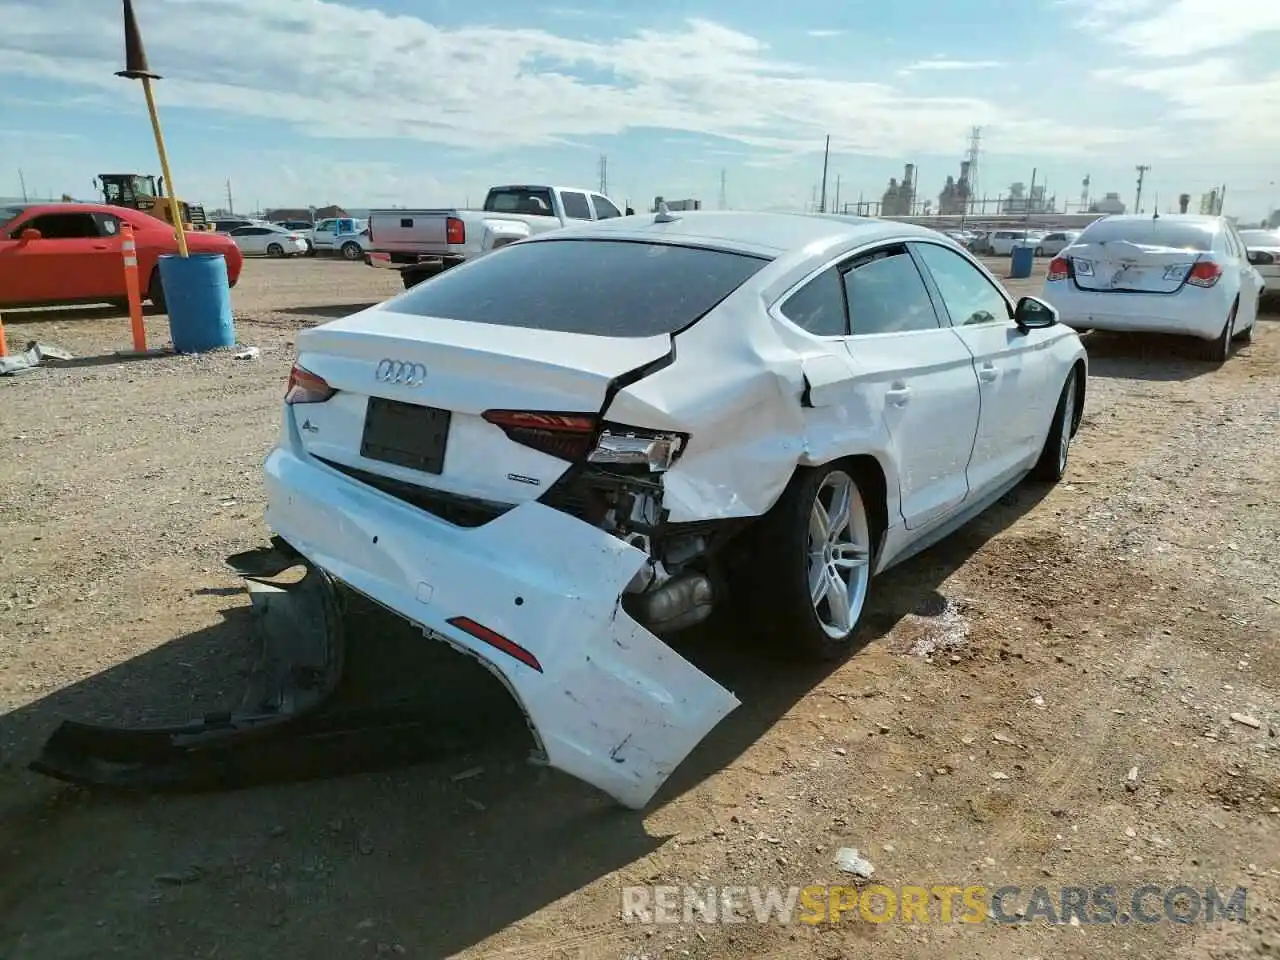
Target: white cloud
1176 28
358 73
940 63
825 33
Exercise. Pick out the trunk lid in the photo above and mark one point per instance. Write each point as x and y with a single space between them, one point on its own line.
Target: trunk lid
411 391
1122 266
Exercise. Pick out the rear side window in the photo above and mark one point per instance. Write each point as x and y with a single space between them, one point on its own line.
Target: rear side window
818 306
575 205
1151 233
887 295
608 288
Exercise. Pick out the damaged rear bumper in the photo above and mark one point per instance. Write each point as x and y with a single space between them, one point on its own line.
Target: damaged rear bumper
533 594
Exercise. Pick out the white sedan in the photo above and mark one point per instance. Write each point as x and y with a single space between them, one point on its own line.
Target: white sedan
1181 274
267 239
1264 254
552 455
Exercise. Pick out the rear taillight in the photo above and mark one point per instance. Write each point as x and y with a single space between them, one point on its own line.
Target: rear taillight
569 436
1058 268
306 387
1205 273
582 437
455 231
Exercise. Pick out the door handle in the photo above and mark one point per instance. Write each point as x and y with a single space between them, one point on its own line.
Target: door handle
101 246
988 372
898 394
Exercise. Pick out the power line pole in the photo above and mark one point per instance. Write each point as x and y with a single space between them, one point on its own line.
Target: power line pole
835 207
826 153
724 201
22 181
1142 173
604 175
231 207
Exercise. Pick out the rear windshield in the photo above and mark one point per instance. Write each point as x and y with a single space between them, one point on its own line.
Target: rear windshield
609 288
1151 233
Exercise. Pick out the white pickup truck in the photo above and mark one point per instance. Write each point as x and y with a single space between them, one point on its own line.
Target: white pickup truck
422 243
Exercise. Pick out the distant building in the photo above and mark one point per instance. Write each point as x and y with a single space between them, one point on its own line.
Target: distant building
1019 201
1211 203
899 199
301 213
954 198
1109 204
674 205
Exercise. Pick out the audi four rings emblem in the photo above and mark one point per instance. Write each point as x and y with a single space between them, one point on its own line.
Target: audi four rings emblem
397 371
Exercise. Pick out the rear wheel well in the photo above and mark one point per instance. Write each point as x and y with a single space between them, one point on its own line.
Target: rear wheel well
1081 384
867 471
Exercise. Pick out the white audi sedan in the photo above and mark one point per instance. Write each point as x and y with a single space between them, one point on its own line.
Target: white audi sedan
552 455
1181 274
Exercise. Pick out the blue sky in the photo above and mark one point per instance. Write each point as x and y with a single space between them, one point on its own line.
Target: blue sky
378 102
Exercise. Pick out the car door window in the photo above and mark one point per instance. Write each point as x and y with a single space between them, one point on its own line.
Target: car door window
886 294
604 209
969 297
575 205
818 306
108 226
64 226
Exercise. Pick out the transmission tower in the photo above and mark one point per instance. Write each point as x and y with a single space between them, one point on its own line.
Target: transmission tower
604 175
1084 193
974 152
1142 169
724 201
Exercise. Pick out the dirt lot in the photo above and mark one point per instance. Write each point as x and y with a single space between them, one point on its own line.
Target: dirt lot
1111 625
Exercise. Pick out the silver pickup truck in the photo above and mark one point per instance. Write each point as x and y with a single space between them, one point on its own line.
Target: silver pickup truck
422 243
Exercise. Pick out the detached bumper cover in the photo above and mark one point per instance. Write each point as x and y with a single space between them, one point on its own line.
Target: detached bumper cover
609 703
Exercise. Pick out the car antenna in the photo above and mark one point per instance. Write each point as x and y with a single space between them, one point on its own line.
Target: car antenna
664 214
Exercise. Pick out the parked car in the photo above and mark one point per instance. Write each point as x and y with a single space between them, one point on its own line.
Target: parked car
1182 274
268 240
1001 242
552 455
60 253
422 243
1263 247
347 236
1052 244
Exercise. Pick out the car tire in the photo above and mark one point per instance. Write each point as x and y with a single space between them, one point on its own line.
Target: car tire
352 251
790 560
1245 336
1218 350
1039 251
155 291
311 249
275 250
1052 465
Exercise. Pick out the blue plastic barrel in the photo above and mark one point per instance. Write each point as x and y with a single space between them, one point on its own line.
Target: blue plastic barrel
1023 260
198 296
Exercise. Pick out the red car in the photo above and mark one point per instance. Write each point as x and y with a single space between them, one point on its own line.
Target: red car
60 253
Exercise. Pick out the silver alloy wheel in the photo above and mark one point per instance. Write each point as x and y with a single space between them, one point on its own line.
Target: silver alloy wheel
839 548
1064 432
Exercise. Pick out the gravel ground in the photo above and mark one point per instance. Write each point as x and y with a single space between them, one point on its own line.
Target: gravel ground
1044 699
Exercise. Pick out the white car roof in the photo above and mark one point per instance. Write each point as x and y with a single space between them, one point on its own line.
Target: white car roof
769 234
1210 223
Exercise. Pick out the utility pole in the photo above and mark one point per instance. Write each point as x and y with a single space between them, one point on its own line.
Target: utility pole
1026 220
724 201
22 181
826 153
836 206
231 207
604 175
1142 169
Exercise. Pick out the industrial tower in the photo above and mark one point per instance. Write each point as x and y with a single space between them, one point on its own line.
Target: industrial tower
1084 193
975 149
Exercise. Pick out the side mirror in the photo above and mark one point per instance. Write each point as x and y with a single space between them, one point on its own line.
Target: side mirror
30 234
1032 313
631 211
